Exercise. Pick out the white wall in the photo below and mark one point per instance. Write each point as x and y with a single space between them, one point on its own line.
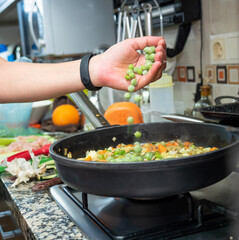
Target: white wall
218 17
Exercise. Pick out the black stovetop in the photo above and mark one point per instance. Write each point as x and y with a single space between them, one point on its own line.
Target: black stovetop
210 213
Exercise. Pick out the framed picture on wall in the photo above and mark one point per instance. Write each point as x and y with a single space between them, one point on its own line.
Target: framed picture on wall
233 74
182 74
191 74
221 74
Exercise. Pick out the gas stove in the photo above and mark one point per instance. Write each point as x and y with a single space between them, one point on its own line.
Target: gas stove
209 213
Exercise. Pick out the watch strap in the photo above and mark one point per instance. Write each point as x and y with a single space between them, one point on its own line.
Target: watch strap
85 75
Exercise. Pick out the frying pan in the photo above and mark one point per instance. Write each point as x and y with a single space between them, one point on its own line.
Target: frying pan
226 114
152 179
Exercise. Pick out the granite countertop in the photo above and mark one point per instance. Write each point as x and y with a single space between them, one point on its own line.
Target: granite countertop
38 216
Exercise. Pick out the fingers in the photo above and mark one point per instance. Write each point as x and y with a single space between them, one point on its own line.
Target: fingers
156 70
142 42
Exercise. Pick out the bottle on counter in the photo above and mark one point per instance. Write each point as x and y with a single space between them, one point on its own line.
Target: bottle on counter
204 101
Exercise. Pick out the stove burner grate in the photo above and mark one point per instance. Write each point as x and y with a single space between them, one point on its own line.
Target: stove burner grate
168 218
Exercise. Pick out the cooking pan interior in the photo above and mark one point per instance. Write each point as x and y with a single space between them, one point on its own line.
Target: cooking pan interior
152 179
200 134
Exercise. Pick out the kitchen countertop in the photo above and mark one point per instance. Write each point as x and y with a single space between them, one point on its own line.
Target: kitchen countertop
38 216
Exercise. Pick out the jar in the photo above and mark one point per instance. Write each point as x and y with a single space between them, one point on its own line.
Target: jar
204 101
161 97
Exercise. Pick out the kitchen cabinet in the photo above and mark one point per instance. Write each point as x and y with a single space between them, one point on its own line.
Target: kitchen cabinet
8 12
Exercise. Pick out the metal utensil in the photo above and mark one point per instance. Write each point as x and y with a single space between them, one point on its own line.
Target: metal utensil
148 19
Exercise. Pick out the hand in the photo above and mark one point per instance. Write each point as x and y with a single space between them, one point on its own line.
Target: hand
109 68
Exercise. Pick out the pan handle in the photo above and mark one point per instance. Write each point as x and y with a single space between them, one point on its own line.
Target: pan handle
218 100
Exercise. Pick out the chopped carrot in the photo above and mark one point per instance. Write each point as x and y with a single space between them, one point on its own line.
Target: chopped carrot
102 152
213 149
161 148
129 145
169 144
88 158
186 144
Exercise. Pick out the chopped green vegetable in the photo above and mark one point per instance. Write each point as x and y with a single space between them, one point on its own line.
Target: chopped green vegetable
137 148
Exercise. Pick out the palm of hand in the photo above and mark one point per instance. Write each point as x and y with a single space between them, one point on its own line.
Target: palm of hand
116 63
113 64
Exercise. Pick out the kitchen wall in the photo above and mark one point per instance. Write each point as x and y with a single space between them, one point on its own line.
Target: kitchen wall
218 17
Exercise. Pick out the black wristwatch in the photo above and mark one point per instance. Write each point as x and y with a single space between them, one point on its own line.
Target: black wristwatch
84 73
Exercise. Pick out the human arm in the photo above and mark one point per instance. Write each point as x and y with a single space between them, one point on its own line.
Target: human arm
22 82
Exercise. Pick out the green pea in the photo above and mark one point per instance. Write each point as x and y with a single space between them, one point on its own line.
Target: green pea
145 72
110 159
137 134
101 156
131 66
147 56
146 49
127 77
121 152
148 65
149 155
134 81
130 120
152 57
132 75
139 159
148 61
129 71
140 71
137 98
127 95
158 155
152 49
116 152
131 88
137 148
135 69
143 68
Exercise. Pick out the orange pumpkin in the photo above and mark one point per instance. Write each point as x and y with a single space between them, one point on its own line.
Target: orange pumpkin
118 113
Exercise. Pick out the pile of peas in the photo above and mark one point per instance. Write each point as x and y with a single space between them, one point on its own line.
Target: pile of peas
149 53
